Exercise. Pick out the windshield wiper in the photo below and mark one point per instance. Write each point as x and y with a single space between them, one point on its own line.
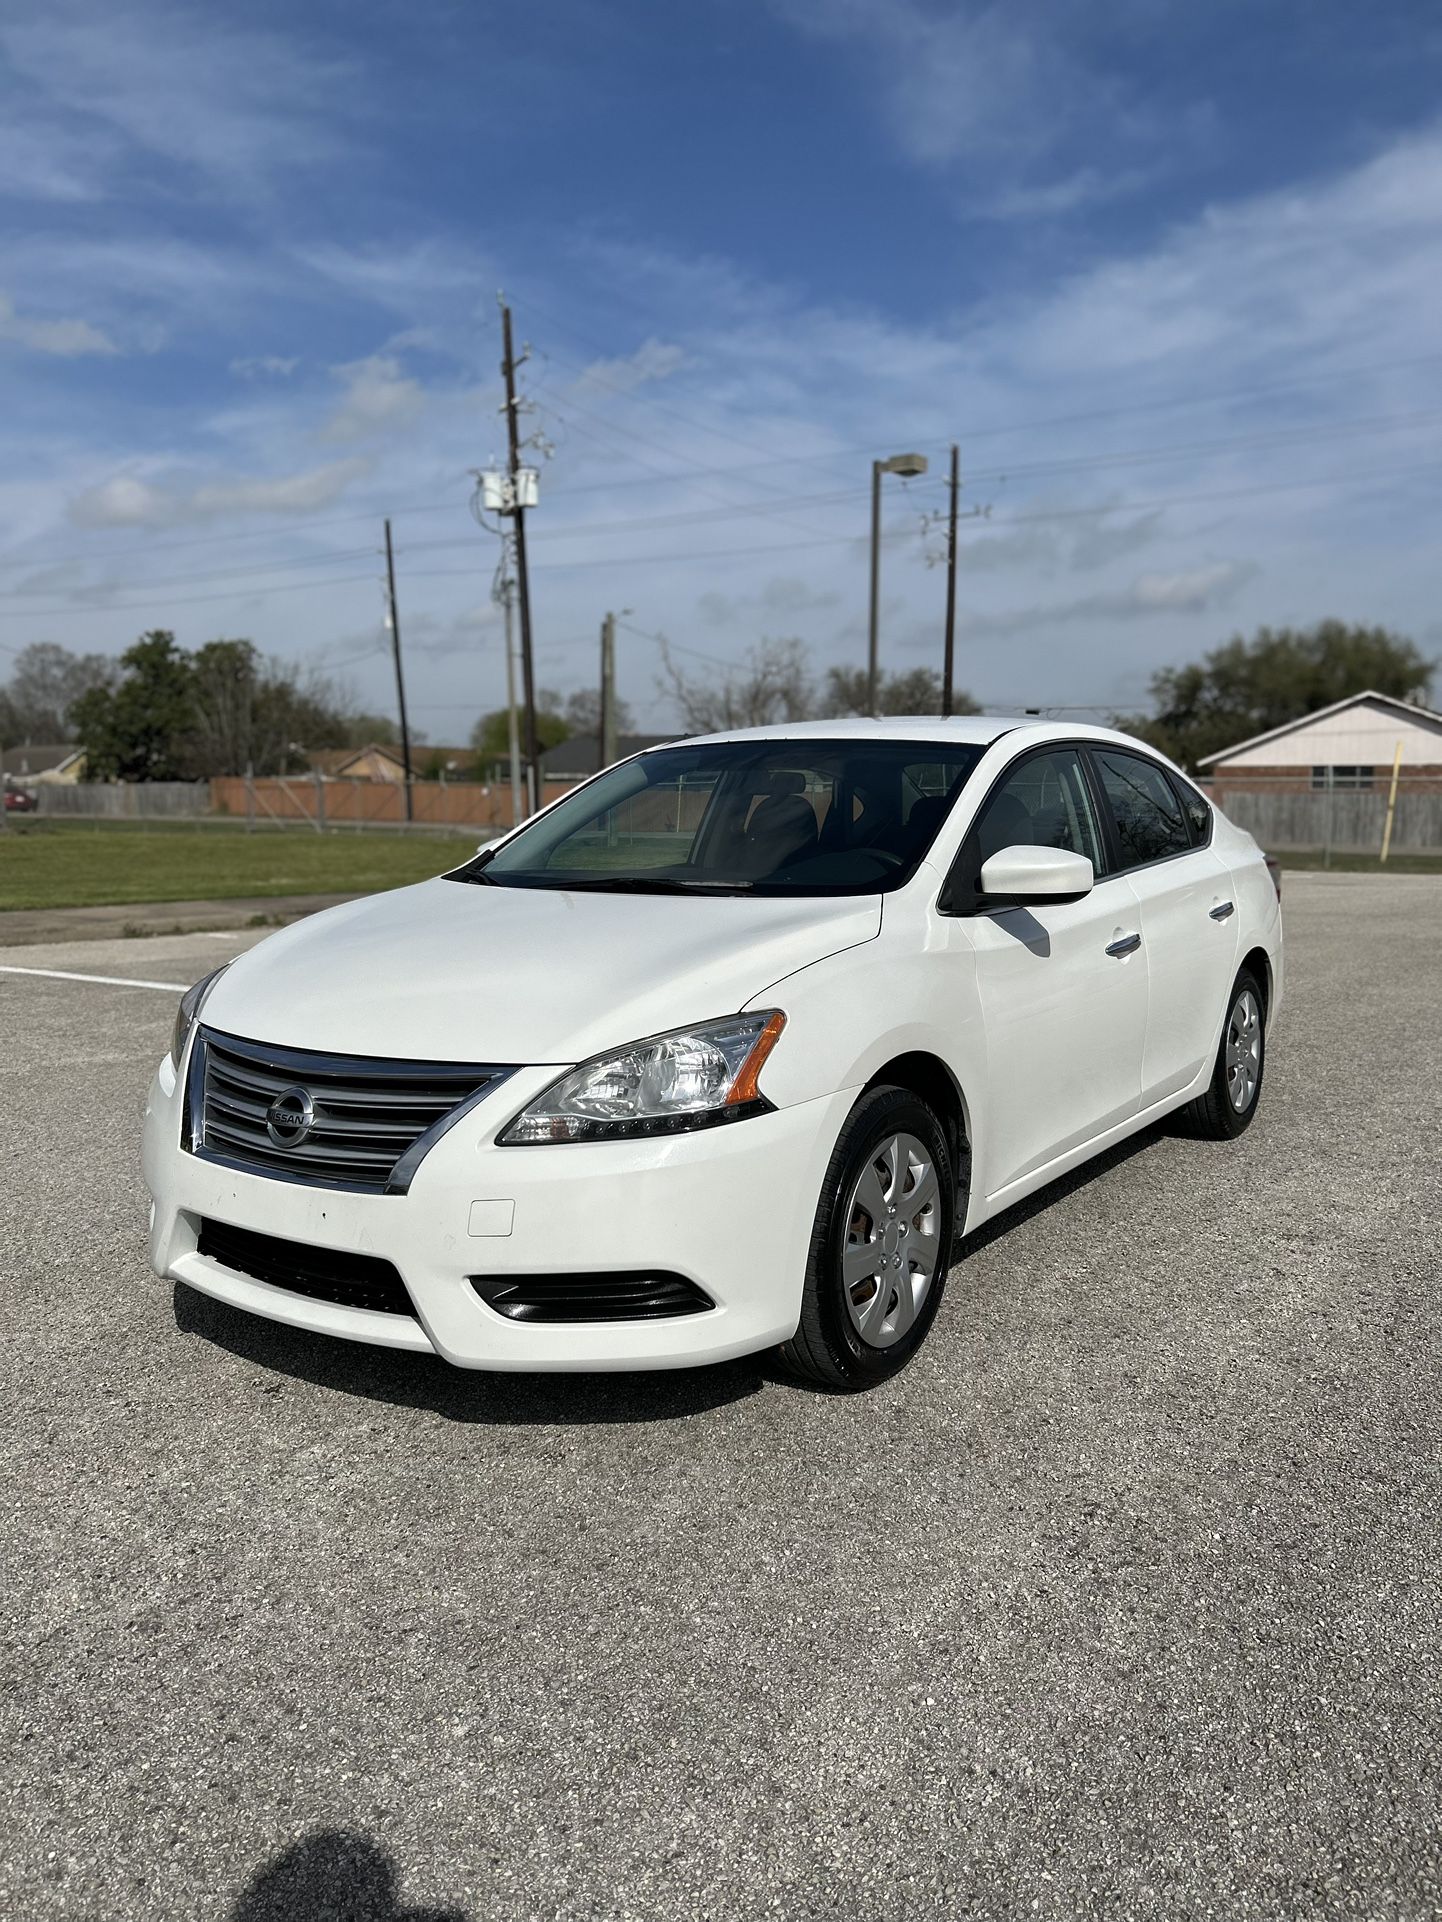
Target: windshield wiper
650 884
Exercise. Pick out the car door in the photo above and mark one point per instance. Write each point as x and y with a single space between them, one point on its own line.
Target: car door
1062 984
1188 917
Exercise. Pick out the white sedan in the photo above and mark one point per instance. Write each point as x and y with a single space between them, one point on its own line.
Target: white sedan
721 1052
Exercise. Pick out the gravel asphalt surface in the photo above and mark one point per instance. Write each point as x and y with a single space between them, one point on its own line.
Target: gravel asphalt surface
1124 1599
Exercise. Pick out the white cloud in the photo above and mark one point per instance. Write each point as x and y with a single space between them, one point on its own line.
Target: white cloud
955 80
128 501
1051 200
379 398
653 360
1197 590
783 597
264 366
234 106
67 339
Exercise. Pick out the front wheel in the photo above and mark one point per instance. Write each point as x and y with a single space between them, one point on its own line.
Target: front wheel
880 1247
1227 1107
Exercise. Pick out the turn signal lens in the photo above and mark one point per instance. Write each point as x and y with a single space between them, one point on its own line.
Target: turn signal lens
744 1087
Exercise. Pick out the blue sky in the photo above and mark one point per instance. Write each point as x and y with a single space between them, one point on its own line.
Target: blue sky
1168 274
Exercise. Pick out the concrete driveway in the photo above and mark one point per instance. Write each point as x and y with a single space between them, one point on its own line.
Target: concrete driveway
1123 1599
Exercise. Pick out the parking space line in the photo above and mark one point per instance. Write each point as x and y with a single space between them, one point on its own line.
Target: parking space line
101 980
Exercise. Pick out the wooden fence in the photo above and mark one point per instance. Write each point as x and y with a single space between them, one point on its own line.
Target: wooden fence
122 800
324 803
1350 821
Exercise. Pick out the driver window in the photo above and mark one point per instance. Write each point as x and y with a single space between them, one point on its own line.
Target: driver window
1044 803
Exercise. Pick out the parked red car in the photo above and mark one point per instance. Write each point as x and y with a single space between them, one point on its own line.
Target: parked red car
18 801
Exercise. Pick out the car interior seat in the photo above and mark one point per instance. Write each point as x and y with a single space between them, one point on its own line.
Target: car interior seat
782 828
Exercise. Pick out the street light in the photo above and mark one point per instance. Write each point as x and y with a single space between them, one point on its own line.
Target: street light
908 466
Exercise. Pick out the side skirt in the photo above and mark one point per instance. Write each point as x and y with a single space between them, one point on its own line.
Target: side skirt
1041 1177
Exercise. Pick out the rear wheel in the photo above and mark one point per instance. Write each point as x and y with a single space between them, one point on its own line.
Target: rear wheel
1227 1107
880 1247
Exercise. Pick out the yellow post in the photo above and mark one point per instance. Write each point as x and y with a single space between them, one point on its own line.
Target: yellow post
1391 802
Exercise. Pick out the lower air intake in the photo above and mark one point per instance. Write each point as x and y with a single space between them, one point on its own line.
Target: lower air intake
322 1274
561 1298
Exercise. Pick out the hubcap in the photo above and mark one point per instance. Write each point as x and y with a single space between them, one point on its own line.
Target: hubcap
892 1247
1244 1051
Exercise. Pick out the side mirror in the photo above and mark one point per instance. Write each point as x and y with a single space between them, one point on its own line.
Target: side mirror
1020 874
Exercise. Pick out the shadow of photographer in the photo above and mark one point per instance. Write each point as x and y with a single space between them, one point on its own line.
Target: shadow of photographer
334 1875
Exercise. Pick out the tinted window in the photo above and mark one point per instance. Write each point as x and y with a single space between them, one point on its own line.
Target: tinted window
777 817
1044 803
1195 808
1147 812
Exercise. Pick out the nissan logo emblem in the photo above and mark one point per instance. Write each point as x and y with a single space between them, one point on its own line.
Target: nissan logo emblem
290 1117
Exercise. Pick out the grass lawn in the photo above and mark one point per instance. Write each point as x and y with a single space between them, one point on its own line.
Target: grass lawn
71 864
1360 863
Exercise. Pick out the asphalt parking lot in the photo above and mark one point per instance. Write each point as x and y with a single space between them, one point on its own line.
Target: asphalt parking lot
1123 1599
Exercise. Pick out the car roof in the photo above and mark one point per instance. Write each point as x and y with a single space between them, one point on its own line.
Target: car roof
971 730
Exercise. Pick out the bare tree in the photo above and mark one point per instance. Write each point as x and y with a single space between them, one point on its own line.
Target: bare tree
45 683
916 690
773 684
582 712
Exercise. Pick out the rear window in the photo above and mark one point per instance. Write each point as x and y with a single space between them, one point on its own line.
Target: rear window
1149 820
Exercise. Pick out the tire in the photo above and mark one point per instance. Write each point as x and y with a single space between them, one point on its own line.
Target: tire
1226 1109
892 1149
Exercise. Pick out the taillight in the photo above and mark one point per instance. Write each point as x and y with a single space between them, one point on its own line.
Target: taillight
1274 868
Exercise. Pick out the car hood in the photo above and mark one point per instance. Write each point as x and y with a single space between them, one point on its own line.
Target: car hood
454 971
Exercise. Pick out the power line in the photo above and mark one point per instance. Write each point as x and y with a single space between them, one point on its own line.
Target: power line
1337 377
194 600
329 559
1216 397
998 521
1209 497
661 640
835 497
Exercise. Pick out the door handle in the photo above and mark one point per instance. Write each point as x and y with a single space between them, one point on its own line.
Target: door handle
1221 910
1127 944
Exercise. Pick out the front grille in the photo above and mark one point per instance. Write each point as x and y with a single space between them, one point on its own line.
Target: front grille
639 1297
361 1124
324 1274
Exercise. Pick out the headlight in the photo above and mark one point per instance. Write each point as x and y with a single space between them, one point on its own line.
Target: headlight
693 1078
190 1003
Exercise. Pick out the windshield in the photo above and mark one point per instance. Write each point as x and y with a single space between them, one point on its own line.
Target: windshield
763 817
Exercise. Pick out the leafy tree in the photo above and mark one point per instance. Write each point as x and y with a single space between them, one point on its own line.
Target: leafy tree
915 690
1247 687
174 716
140 730
491 739
361 730
45 683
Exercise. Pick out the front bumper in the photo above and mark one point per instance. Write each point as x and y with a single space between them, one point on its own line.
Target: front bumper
730 1208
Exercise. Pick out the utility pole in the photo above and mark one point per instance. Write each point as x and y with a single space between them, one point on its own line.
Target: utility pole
606 732
873 626
512 731
395 627
528 677
908 466
949 667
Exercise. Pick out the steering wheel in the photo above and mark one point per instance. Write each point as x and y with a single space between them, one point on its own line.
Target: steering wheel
885 854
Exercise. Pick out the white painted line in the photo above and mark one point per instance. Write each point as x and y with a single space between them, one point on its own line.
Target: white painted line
102 980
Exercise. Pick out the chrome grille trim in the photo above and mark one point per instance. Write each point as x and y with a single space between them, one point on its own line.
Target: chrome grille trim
375 1119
